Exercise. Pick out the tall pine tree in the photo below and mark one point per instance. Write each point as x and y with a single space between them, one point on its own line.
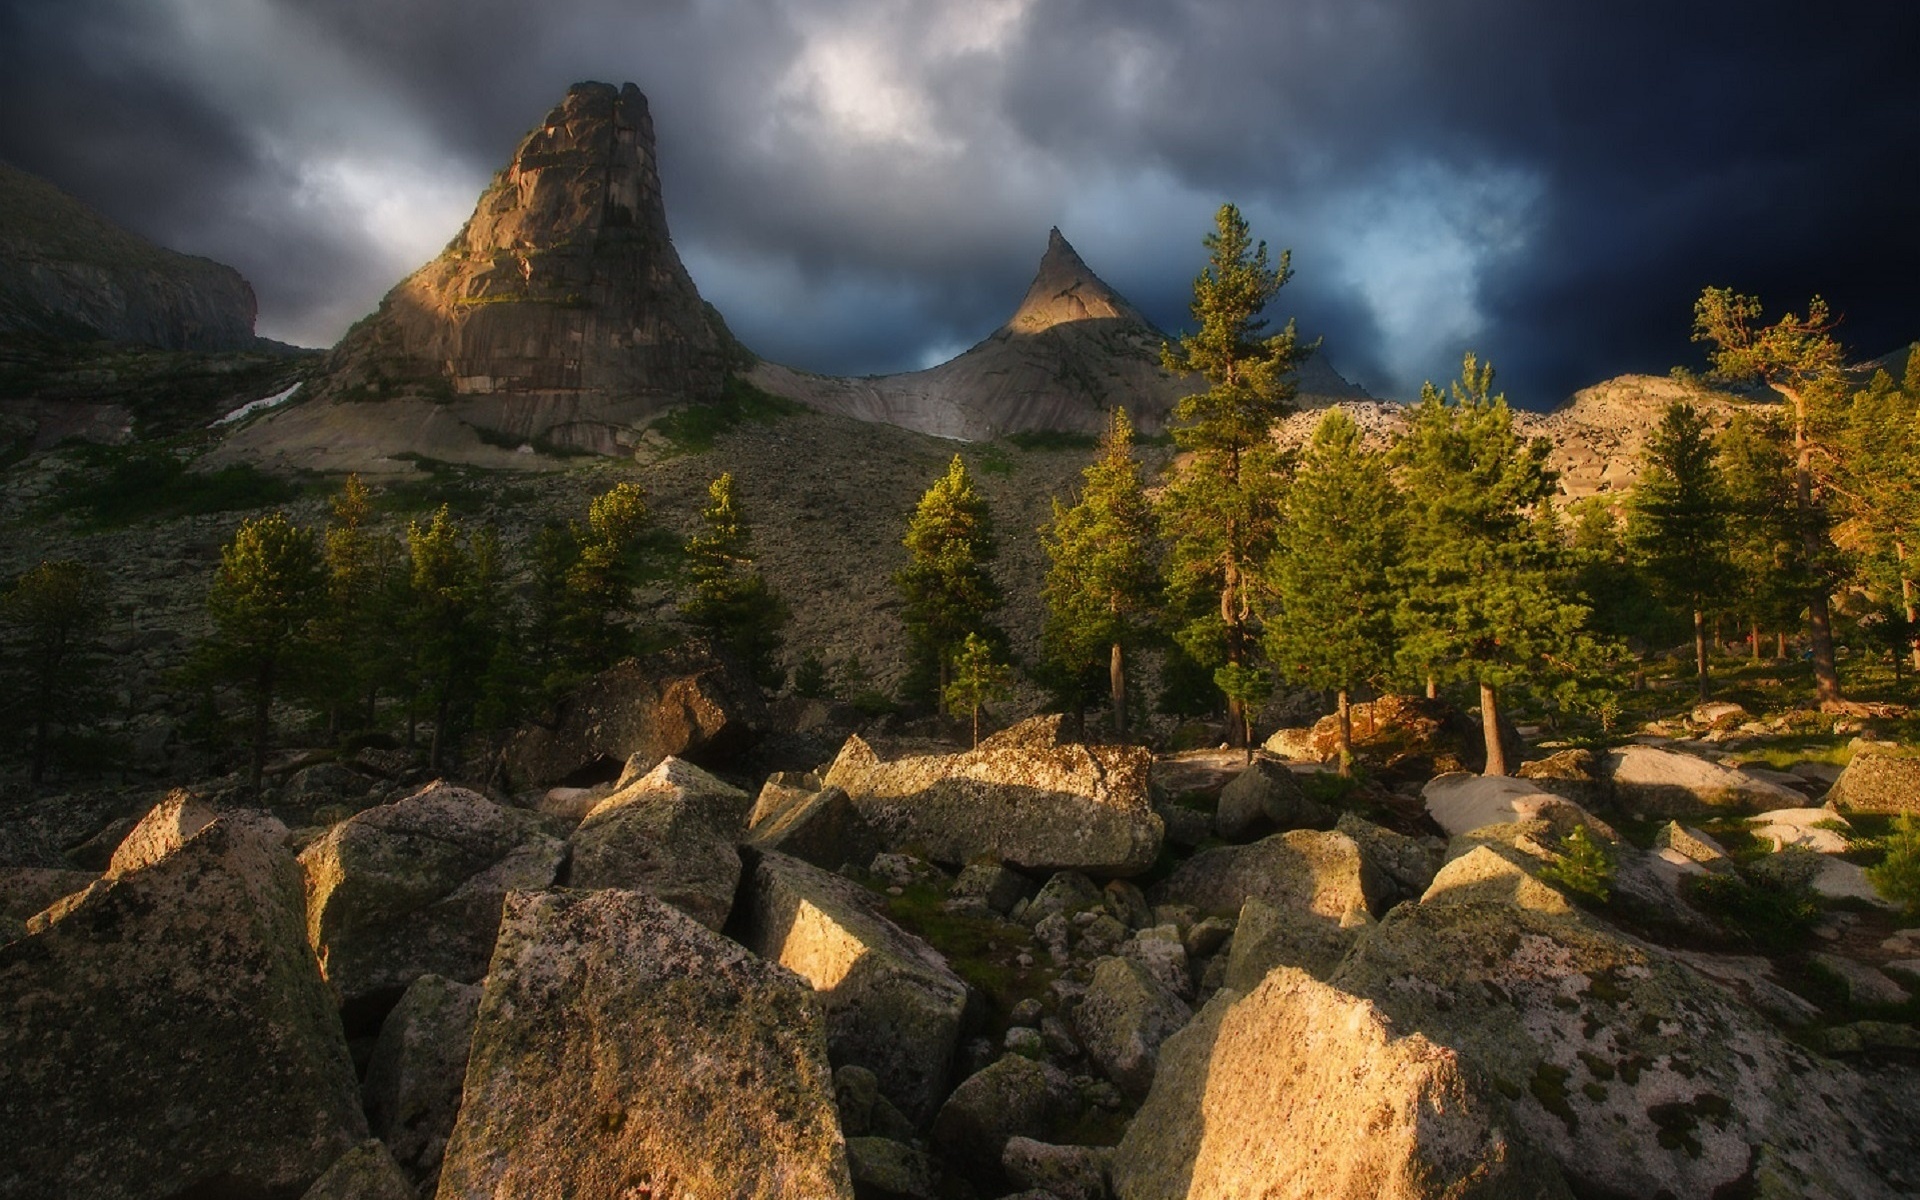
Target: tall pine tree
1768 581
731 599
1880 470
1219 512
946 590
1103 578
1677 521
1331 578
1797 357
1479 598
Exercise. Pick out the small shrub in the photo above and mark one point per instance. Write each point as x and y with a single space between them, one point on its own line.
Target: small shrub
1585 867
810 677
1898 875
1773 904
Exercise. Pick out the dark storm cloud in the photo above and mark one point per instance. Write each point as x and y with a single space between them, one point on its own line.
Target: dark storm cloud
865 185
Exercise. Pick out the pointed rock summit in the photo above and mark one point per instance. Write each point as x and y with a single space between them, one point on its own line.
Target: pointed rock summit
1066 289
558 316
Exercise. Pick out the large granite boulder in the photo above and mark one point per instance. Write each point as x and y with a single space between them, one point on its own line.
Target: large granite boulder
1123 1018
1407 862
1318 878
412 1088
1637 1075
670 832
688 702
1876 782
25 891
623 1049
1024 797
1298 1089
167 1033
822 826
1656 782
1461 803
1011 1097
366 1172
414 888
1264 798
892 1004
1409 735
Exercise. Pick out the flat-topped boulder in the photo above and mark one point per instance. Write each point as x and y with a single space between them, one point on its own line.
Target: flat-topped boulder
1877 782
1653 781
670 832
414 888
168 1033
1461 803
892 1004
1319 875
1024 797
623 1049
688 702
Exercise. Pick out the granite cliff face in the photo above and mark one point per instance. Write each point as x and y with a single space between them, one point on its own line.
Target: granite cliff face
1073 350
69 273
559 316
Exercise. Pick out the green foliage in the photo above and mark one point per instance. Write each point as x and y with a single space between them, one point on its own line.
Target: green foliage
452 621
1053 440
1331 625
695 428
1103 574
1897 876
1246 688
155 484
1769 575
978 680
1677 519
810 677
53 614
1584 866
355 632
945 588
265 600
732 600
1771 904
1219 513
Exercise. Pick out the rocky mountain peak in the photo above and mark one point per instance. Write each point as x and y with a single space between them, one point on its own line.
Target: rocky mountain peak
1065 289
560 314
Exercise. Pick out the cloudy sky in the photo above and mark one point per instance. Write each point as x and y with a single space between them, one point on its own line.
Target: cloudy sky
866 185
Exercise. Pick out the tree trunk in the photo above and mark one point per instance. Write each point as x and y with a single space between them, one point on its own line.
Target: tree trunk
976 727
1490 727
1700 649
1753 639
1908 600
1826 674
1346 736
1433 688
940 699
439 732
262 722
1117 679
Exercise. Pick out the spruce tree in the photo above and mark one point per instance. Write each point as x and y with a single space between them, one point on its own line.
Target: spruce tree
1677 521
268 593
979 679
55 611
1769 576
1479 598
945 588
1797 357
452 623
354 632
1880 469
1103 577
599 580
1332 623
1219 513
731 599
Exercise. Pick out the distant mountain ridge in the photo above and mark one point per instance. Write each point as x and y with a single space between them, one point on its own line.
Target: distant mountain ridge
68 272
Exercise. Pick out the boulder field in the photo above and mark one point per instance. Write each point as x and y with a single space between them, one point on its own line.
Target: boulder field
965 975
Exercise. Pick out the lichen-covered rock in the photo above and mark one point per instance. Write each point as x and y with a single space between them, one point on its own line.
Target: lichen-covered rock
689 702
412 1089
1318 878
1297 1089
1485 873
1821 830
889 1170
1266 937
672 833
1576 775
1407 862
1023 797
1062 1172
25 891
623 1048
1655 782
366 1172
1264 798
1876 782
164 829
1011 1097
414 888
1677 844
1122 1020
821 827
1638 1076
169 1033
892 1003
1410 734
994 884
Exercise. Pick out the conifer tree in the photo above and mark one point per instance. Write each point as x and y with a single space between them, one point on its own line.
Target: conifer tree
1880 469
979 679
270 589
1677 521
1797 357
453 581
1332 624
55 609
731 599
354 631
1103 577
599 580
1219 512
1479 598
945 587
1769 577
